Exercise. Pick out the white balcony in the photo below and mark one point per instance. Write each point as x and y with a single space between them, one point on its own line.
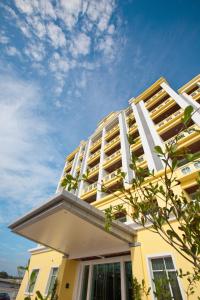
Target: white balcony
112 156
171 117
182 135
111 176
90 187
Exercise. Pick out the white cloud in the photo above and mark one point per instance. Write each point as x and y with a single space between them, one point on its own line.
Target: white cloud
12 51
80 45
37 26
106 45
56 35
3 38
35 52
27 152
69 12
25 6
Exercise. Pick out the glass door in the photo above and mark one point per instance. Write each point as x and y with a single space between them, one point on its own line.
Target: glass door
106 279
106 282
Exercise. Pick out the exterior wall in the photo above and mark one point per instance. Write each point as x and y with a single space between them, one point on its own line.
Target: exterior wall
152 245
43 261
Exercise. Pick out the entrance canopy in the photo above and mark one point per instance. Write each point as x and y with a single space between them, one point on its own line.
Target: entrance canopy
71 226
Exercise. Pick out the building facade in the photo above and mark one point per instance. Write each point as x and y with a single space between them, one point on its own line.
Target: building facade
88 262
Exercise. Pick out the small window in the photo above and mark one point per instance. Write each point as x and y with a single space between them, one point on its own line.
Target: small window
165 277
32 281
51 280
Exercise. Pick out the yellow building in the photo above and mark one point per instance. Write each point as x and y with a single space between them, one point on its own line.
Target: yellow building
88 262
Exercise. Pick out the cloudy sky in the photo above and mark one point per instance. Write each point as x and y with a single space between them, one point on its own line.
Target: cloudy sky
64 65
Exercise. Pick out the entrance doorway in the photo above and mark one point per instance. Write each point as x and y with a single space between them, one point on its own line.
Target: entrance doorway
106 279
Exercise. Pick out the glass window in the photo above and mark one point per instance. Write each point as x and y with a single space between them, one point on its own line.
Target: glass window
165 278
85 283
52 280
129 280
32 280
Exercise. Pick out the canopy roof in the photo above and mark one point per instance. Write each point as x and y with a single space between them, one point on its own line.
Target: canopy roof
71 226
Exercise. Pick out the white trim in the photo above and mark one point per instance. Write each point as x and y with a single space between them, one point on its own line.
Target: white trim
26 292
49 279
150 273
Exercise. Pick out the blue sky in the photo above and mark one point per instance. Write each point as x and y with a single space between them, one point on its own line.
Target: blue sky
64 65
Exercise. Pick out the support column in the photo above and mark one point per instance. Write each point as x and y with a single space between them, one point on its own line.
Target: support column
138 266
183 101
101 170
149 136
76 161
59 189
125 148
84 166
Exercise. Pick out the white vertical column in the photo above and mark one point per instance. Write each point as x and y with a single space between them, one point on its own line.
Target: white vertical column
59 188
149 136
101 170
76 161
84 166
125 148
183 101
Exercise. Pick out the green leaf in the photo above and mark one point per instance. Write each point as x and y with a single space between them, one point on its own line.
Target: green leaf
187 114
158 150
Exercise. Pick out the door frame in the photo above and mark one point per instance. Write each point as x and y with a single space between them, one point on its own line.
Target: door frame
91 263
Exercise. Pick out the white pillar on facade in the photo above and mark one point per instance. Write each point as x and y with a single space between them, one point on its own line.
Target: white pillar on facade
101 170
183 101
149 136
84 166
125 148
59 188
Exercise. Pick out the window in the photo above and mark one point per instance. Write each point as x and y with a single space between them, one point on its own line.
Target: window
32 281
165 278
51 280
121 216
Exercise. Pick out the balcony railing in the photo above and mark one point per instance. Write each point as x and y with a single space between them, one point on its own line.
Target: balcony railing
112 142
181 135
90 187
112 156
161 105
154 96
113 129
132 127
195 92
94 168
191 167
111 175
94 155
171 117
96 143
68 166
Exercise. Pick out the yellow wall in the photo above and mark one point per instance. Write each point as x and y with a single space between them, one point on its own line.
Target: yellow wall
151 245
45 261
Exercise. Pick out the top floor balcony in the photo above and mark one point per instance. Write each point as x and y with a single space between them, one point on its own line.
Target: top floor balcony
156 97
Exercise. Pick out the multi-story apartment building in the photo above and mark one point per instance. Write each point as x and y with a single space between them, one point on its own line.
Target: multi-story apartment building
90 263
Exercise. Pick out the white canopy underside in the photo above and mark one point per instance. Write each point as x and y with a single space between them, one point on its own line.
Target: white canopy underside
71 226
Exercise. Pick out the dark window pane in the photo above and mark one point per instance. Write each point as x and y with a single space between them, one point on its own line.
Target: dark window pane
129 280
157 264
106 282
174 285
162 286
85 283
169 263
